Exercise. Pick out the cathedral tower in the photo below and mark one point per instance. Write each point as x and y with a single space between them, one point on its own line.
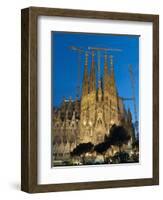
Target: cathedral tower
100 125
84 114
113 100
92 83
106 78
85 79
92 93
106 90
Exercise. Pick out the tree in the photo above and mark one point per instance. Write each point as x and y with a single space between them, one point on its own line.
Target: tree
135 154
102 147
82 149
118 136
135 145
121 157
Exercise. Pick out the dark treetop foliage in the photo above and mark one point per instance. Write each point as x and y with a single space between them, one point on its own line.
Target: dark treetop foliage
82 149
102 147
136 144
118 136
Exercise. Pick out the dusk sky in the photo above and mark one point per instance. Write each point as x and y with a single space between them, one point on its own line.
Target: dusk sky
65 65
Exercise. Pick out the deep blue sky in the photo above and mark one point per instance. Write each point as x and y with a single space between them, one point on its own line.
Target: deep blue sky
65 68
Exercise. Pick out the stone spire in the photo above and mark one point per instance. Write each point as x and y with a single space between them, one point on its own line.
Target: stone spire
129 115
106 73
99 78
112 69
92 83
85 79
111 77
100 91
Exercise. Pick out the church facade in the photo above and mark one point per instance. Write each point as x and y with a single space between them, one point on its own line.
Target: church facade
90 118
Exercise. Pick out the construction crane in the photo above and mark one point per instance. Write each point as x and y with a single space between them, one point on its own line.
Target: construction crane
98 50
79 53
93 49
126 99
133 91
80 50
103 49
134 98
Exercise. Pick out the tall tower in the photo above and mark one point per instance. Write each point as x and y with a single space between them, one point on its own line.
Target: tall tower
100 128
112 78
85 79
92 83
99 91
106 78
113 101
84 114
92 95
106 91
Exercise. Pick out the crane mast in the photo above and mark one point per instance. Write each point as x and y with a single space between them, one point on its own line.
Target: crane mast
79 53
133 91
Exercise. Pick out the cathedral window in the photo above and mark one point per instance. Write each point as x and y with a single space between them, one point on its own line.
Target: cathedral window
99 122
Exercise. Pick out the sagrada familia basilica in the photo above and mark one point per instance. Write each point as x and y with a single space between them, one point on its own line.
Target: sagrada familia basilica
90 118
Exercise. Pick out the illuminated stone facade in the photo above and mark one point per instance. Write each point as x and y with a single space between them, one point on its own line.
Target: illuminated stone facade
90 118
